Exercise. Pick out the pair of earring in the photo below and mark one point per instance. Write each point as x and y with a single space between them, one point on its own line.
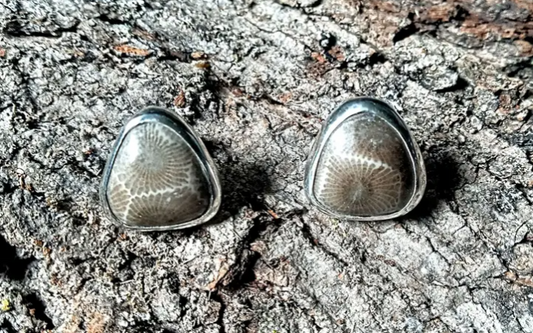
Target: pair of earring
364 165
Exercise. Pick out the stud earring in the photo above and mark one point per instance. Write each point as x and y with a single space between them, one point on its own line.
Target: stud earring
364 164
159 175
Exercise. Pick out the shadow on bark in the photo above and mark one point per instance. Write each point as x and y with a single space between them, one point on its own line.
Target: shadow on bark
243 185
7 327
443 179
33 301
11 265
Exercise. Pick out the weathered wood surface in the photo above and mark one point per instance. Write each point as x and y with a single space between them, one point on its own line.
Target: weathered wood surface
255 78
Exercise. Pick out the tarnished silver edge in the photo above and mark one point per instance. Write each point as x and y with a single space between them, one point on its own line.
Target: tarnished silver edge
337 117
209 169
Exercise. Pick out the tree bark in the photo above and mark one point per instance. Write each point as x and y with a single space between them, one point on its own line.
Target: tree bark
255 79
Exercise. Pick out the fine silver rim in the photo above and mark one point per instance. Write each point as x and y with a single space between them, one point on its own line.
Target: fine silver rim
345 111
172 120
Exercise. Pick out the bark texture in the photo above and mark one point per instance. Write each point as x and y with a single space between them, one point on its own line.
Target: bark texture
255 79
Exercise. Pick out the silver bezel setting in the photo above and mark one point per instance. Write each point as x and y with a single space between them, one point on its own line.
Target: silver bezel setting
172 120
386 112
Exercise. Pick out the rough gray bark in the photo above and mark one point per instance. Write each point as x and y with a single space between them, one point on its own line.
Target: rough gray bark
255 78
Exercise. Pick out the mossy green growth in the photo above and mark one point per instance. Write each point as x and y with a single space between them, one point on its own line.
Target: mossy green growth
5 306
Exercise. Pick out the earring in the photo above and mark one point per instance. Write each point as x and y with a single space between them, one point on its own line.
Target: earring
159 175
364 164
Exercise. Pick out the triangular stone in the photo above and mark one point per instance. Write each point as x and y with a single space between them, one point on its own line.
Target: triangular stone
366 165
156 179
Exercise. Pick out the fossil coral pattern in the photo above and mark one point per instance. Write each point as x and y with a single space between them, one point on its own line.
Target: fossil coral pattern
156 179
365 169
